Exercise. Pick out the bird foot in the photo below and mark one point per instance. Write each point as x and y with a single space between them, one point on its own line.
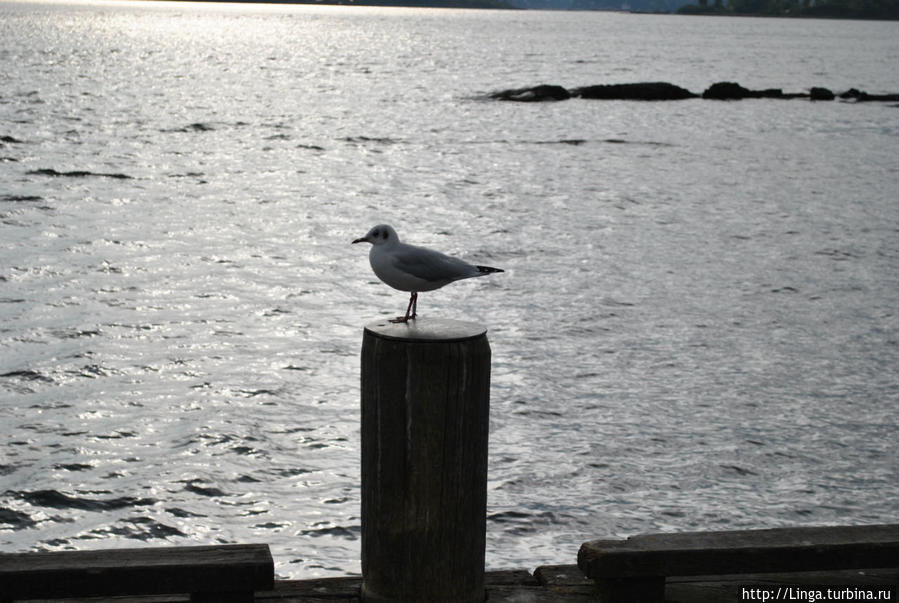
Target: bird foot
410 310
402 319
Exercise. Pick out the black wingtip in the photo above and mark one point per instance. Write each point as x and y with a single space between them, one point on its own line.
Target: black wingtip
488 269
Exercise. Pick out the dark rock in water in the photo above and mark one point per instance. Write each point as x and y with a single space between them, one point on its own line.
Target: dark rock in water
734 91
725 91
772 93
534 94
852 93
648 91
862 96
878 97
821 94
661 91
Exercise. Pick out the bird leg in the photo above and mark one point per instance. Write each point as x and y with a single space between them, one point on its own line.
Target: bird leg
410 310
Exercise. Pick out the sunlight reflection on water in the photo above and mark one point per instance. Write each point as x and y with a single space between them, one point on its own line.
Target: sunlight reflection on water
695 330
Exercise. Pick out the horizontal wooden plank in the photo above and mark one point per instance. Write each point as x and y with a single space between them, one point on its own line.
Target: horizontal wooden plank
730 588
561 575
155 570
559 584
171 598
771 550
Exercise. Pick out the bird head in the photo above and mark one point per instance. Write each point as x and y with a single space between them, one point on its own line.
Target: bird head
379 235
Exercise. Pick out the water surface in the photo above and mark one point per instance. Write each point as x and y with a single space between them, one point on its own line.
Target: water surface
696 328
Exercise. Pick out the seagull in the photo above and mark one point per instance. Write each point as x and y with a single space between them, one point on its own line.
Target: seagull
414 269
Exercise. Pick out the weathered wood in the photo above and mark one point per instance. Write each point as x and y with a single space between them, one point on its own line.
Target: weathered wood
502 586
730 588
552 584
745 551
645 589
221 573
567 584
332 590
425 414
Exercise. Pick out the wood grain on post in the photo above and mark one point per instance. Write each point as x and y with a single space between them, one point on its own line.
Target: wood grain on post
425 416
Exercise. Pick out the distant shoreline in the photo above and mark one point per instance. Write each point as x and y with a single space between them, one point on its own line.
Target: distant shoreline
476 4
828 10
822 11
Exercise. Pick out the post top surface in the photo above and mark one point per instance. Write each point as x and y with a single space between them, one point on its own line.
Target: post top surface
426 329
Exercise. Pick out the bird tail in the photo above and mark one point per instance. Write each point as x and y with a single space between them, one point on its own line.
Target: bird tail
488 270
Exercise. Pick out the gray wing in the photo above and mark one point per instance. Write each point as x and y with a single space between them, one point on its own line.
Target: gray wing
432 266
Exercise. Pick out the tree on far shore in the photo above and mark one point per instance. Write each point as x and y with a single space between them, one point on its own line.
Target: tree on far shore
843 9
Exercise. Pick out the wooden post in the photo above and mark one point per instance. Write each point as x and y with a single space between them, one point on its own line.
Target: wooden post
425 415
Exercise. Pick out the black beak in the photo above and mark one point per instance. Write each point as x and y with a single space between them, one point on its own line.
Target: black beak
362 240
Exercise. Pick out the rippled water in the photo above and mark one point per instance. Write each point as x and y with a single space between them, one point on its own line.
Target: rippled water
697 328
